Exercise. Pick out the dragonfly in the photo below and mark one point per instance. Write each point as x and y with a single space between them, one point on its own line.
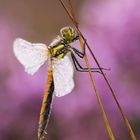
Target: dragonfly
61 58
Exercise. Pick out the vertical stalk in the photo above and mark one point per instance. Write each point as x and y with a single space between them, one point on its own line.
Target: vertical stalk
108 128
73 19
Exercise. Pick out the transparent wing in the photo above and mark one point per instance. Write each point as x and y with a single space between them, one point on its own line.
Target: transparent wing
63 76
31 55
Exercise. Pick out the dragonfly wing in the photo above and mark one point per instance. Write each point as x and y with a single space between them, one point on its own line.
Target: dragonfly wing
63 76
31 55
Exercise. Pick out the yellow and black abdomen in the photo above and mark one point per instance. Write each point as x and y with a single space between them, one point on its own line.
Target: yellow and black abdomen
46 105
59 51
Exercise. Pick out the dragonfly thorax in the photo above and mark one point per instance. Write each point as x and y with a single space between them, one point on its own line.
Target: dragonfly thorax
59 51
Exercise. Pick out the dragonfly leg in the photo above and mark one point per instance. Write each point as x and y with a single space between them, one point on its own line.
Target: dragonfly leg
80 54
81 69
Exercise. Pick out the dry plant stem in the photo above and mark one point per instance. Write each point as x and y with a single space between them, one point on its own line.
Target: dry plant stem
132 135
73 19
110 133
108 128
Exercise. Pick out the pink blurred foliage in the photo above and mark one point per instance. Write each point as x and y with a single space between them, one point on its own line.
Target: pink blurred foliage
113 30
114 36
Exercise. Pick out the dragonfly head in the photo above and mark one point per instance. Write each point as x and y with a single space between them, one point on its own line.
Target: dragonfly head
69 34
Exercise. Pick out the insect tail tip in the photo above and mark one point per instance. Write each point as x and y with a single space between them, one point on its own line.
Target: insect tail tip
41 135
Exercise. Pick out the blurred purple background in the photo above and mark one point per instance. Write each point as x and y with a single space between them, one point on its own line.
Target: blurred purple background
112 29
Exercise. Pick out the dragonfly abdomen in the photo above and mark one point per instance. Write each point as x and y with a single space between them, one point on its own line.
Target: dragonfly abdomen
46 106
